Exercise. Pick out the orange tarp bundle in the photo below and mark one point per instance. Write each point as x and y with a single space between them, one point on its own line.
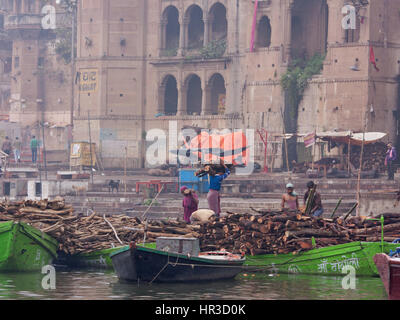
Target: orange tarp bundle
210 148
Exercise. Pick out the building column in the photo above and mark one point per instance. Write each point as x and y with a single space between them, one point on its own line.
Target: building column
38 9
163 36
183 36
182 103
161 99
205 101
23 7
206 31
288 34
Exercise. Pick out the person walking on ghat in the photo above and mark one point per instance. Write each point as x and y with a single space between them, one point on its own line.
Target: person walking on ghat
390 158
316 203
17 150
290 198
190 202
34 146
213 196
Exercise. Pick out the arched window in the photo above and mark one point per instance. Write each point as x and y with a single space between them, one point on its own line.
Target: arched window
218 22
194 96
171 30
217 93
170 96
309 28
195 32
264 33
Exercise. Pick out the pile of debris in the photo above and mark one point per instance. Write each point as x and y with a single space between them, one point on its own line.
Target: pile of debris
79 233
290 232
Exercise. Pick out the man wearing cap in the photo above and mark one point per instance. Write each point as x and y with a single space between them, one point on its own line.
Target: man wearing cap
316 203
290 198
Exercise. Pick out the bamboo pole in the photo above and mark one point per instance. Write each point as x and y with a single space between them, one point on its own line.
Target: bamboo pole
90 148
360 168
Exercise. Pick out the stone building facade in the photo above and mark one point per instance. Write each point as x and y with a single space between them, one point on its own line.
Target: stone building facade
40 99
144 63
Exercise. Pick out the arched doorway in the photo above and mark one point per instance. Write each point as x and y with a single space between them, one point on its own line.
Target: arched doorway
170 95
171 31
218 22
217 92
309 31
195 32
264 33
194 96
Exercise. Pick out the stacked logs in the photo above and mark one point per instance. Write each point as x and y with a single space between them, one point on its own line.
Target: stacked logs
265 232
80 234
373 158
290 232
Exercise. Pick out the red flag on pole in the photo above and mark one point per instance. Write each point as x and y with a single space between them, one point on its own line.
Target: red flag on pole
253 29
372 57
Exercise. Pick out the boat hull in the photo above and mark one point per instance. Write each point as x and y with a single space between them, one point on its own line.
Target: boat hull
323 261
389 271
24 248
97 259
124 265
152 265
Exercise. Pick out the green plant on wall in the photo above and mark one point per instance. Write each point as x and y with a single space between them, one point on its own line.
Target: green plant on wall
63 44
295 80
214 49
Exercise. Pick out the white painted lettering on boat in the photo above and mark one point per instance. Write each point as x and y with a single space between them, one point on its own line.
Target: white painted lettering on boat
165 310
338 265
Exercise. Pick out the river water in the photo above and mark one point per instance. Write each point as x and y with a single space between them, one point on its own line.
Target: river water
104 285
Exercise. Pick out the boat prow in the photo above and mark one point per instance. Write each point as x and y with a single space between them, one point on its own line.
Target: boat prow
389 271
25 248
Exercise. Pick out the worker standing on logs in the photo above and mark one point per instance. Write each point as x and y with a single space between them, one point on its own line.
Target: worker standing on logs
190 202
391 156
213 196
290 198
315 202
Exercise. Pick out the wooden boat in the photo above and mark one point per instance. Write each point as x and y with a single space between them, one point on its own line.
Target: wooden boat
323 261
25 248
149 264
96 259
389 271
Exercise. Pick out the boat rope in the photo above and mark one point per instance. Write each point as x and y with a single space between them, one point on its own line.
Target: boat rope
163 268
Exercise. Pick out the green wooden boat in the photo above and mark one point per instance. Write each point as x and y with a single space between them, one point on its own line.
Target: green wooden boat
96 259
25 248
323 261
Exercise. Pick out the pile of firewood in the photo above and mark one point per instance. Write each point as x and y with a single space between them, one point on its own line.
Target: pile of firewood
290 232
77 233
265 232
373 157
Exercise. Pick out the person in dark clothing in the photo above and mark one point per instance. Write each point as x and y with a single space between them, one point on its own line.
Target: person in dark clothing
7 147
316 203
34 147
390 158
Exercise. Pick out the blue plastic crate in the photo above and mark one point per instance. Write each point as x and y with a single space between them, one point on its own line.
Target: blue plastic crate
187 178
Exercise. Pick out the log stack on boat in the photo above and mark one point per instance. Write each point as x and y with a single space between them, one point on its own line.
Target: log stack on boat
264 232
290 232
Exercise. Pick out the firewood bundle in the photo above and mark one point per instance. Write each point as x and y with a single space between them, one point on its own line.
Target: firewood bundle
373 158
290 232
79 233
